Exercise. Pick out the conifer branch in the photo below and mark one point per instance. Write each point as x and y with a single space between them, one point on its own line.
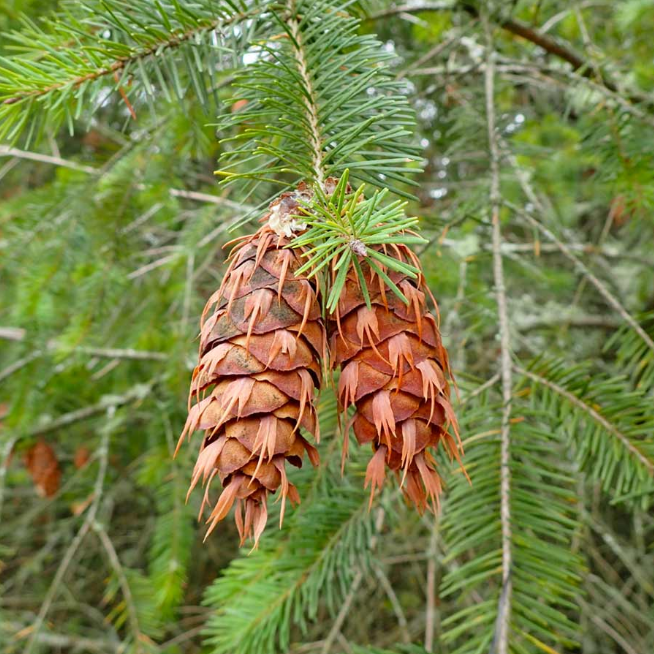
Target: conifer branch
565 250
309 97
354 587
63 65
504 606
108 402
594 414
19 334
114 560
549 44
165 42
55 586
7 448
318 100
6 151
115 67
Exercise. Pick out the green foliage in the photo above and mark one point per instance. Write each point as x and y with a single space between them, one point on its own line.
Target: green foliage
343 226
606 421
138 609
398 649
633 354
73 63
545 575
172 538
318 99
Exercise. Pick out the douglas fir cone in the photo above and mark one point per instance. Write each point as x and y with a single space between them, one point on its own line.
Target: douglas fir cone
393 370
259 368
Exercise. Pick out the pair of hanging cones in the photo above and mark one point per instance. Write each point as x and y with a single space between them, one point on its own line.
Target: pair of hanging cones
263 343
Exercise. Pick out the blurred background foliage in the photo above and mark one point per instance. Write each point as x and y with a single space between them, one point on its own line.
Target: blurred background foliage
111 239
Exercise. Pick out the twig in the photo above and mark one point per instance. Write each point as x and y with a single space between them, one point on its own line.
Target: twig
642 576
6 453
174 40
600 241
588 45
356 582
143 218
430 611
6 151
432 53
585 36
8 167
19 334
122 579
342 641
208 238
480 389
18 365
549 248
188 290
583 248
548 43
74 643
405 558
557 18
12 333
137 392
414 8
212 199
581 267
395 603
103 456
122 353
593 413
504 606
612 633
602 322
533 71
184 636
309 99
453 319
342 614
153 266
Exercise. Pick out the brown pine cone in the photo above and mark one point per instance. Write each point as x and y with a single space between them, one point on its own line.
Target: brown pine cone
253 389
394 370
41 461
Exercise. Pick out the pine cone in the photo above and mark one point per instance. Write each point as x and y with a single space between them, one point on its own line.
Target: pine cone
41 461
393 369
254 386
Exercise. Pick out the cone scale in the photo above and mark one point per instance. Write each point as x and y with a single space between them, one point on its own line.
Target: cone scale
261 342
394 371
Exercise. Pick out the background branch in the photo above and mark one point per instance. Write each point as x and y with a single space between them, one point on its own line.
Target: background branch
504 604
548 43
71 551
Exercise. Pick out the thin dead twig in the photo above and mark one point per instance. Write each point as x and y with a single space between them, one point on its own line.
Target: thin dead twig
356 582
6 151
103 456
